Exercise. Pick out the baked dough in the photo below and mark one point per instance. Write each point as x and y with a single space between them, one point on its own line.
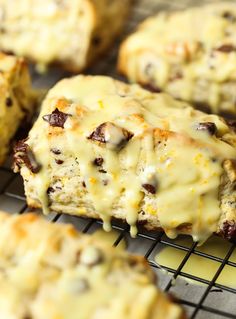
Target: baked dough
51 271
190 54
102 148
16 99
69 32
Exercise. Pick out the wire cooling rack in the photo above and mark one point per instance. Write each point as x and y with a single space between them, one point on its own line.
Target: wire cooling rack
205 300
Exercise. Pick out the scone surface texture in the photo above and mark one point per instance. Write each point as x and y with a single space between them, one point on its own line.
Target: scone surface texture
16 99
101 148
71 33
190 54
51 271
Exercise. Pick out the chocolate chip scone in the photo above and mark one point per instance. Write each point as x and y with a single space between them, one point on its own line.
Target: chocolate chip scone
102 148
190 54
16 99
51 271
71 33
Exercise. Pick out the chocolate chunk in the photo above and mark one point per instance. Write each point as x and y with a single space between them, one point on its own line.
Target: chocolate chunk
229 16
50 190
91 256
229 230
57 118
150 188
113 136
226 48
210 127
98 161
8 102
59 162
98 134
55 151
83 184
24 155
151 87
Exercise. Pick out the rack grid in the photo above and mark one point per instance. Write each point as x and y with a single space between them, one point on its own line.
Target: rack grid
205 300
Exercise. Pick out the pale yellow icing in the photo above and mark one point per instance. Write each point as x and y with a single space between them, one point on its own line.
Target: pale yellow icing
50 271
178 53
185 168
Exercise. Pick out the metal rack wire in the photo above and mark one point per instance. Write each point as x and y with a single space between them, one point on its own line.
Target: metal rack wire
205 301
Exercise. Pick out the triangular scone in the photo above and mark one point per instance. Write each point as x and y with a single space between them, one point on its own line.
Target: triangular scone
190 54
101 148
71 33
51 271
16 99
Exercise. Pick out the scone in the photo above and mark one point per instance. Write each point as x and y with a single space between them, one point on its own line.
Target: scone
190 54
69 32
51 271
16 99
102 148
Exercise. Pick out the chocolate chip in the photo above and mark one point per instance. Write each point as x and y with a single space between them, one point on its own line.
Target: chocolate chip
83 184
57 118
59 162
229 230
133 261
24 155
91 256
226 48
151 87
149 70
105 182
177 76
96 41
102 171
55 151
98 161
232 124
50 190
149 188
228 16
113 136
8 102
210 127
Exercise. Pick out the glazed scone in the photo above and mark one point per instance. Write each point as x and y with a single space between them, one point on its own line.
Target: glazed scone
51 271
190 54
102 148
16 99
69 32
